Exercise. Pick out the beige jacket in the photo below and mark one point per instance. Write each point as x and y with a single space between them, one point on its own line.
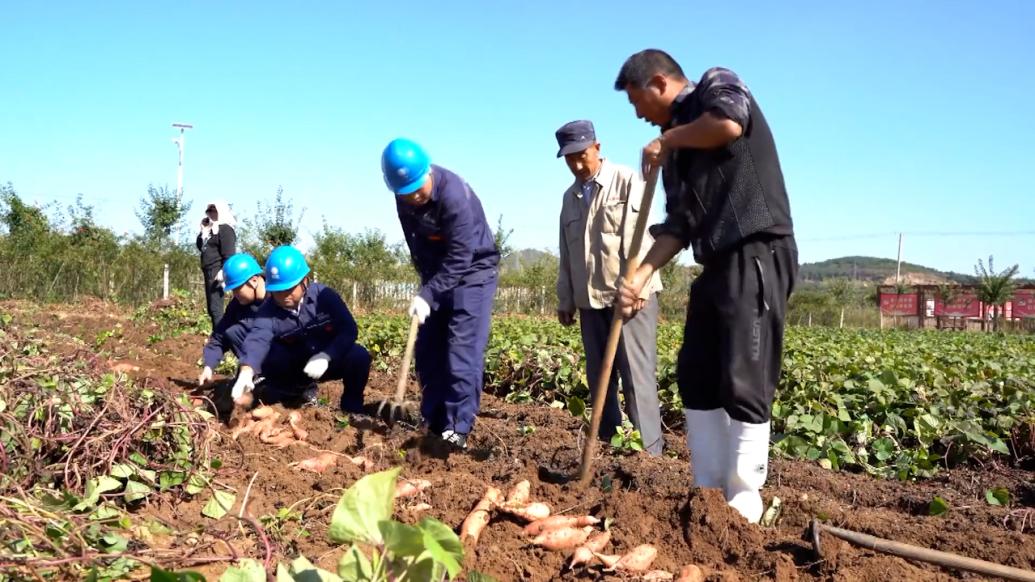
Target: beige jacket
594 242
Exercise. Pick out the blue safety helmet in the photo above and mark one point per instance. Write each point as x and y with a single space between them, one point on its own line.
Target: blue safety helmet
405 165
285 268
238 269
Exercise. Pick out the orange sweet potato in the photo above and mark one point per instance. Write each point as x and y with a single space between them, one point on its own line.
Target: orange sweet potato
597 541
638 559
520 494
319 463
558 521
295 421
563 538
479 517
530 512
690 573
411 487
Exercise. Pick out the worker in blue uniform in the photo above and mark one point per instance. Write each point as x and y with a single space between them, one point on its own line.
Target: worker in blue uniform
304 334
242 276
455 254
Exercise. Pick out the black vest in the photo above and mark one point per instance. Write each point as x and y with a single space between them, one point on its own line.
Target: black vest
730 193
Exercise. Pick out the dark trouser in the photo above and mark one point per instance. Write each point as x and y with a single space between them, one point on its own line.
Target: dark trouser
733 339
284 381
450 356
213 297
636 361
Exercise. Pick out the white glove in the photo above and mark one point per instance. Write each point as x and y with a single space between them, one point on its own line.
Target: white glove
244 382
219 276
206 376
420 308
317 365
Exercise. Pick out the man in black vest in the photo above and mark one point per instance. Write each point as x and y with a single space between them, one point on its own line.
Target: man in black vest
725 198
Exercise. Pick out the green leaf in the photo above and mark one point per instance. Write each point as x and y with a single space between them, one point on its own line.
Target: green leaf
576 406
246 570
135 491
122 471
476 576
219 504
170 479
94 488
160 575
363 506
304 571
442 544
354 566
105 512
138 459
114 543
401 539
938 506
997 496
196 484
283 575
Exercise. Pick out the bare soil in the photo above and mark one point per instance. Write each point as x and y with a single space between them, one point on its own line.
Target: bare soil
646 499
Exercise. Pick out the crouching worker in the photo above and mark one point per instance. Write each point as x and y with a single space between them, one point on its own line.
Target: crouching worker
304 334
243 278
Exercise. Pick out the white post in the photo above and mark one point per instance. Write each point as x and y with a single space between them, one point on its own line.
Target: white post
165 282
353 294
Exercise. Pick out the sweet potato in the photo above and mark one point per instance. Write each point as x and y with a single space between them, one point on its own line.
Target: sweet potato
319 463
362 462
295 421
530 512
269 431
690 573
563 538
558 521
582 556
244 426
657 576
520 494
411 487
637 560
263 412
476 521
283 439
421 507
608 560
597 541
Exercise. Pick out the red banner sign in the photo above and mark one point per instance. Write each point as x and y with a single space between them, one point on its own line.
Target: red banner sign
904 304
1024 303
964 304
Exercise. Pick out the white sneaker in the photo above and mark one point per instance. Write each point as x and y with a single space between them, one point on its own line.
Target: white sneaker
707 435
748 467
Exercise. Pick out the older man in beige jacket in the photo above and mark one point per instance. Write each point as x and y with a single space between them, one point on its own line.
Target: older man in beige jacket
598 216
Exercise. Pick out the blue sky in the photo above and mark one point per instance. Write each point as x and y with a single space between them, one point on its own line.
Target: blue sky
888 116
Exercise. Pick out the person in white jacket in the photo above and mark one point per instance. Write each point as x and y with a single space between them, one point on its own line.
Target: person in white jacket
217 242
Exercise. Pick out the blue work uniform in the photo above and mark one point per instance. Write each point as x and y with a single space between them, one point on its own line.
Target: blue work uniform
281 342
230 332
455 254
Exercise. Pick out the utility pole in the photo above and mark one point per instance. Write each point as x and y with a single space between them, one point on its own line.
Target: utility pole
898 270
180 142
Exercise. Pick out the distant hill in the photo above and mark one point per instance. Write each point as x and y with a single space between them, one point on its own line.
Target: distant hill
877 270
522 258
